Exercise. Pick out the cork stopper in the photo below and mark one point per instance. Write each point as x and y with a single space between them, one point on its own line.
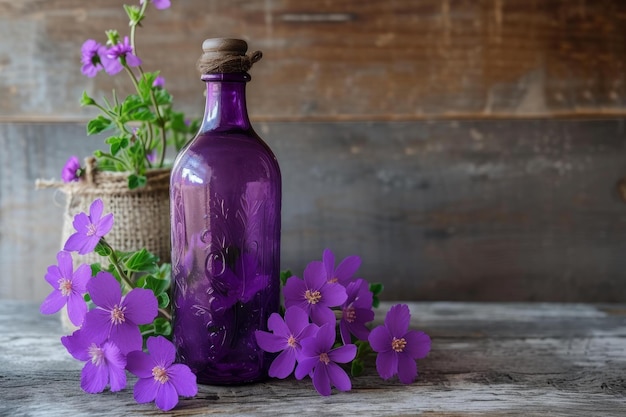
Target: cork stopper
224 55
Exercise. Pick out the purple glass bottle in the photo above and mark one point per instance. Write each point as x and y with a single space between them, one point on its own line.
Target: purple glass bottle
225 208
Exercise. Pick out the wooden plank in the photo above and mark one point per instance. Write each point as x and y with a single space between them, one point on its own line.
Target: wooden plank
339 60
487 359
493 210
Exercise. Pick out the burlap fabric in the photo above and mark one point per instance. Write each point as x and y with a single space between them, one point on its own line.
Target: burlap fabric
141 216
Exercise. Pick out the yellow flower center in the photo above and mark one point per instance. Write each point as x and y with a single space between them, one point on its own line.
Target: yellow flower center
117 315
313 297
333 280
65 286
160 374
398 344
324 358
291 341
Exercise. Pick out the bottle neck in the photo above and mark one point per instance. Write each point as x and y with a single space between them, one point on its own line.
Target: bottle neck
225 102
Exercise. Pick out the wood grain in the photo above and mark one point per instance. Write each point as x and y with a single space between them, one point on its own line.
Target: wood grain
471 210
487 359
339 60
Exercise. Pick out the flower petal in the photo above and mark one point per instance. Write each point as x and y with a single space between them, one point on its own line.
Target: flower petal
343 354
117 378
338 377
380 339
321 380
105 291
284 364
161 350
387 364
81 223
296 320
314 275
325 337
145 390
278 326
94 379
166 396
141 306
97 324
53 303
407 368
75 242
322 315
104 225
305 366
95 210
293 291
328 259
66 265
53 275
398 319
126 336
417 344
76 344
344 332
183 380
270 342
333 295
81 277
76 309
347 268
140 364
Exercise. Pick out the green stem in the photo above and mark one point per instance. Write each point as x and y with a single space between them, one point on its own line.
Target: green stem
160 121
116 264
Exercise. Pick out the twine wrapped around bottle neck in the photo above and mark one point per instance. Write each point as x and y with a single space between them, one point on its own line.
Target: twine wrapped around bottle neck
223 56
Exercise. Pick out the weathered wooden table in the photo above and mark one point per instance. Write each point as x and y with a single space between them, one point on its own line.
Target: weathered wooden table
486 359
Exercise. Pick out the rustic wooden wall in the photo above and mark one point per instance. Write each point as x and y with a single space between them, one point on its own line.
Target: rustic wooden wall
468 150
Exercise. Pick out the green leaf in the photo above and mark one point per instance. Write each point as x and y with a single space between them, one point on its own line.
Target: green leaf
162 326
141 260
85 100
357 367
95 268
103 250
162 97
284 275
117 144
145 85
98 125
163 299
376 288
158 286
136 181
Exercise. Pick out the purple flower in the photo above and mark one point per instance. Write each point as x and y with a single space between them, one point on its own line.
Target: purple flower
356 311
121 51
158 82
115 317
71 170
344 272
397 346
320 359
104 365
315 294
159 377
159 4
285 339
93 58
89 229
69 287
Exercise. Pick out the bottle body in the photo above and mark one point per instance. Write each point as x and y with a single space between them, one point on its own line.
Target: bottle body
225 209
